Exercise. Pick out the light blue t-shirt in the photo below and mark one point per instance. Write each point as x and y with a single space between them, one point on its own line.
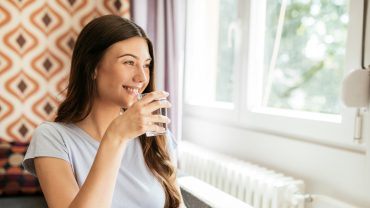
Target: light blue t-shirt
135 187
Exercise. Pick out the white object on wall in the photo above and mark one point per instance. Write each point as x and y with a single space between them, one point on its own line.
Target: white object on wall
356 88
355 93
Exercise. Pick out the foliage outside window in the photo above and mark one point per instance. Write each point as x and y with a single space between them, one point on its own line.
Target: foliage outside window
307 69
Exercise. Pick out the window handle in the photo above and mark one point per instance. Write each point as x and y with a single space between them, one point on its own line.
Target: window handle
358 126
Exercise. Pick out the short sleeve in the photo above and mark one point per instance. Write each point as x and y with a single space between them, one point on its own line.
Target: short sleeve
172 147
46 141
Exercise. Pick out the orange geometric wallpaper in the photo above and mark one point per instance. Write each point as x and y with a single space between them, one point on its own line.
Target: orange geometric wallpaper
36 42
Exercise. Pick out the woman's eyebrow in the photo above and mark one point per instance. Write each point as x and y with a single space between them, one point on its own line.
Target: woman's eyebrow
132 55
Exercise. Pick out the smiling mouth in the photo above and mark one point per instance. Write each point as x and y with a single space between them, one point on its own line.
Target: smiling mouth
131 90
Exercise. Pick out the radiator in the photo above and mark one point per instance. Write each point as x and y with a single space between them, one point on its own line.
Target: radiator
250 183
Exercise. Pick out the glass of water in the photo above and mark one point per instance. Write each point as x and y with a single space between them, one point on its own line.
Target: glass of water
160 111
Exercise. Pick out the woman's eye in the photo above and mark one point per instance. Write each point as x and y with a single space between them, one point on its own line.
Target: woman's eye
147 66
131 63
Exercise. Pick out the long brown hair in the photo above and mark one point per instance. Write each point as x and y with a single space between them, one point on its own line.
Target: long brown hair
90 47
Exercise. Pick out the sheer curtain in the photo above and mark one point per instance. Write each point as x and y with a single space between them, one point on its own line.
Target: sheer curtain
164 22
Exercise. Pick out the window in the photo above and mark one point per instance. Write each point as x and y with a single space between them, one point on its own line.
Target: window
277 65
210 52
304 54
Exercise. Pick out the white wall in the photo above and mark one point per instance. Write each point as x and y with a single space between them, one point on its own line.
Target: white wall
337 172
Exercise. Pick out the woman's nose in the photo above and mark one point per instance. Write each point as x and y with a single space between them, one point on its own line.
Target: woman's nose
140 75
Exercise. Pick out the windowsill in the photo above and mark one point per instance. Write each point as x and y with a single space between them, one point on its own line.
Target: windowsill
331 118
200 194
357 148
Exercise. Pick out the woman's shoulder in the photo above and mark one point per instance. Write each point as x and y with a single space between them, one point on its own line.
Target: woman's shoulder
47 141
48 130
51 126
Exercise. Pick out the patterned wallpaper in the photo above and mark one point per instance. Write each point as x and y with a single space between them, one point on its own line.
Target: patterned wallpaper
36 42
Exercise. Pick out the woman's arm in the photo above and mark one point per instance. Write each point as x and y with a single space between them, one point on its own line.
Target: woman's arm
61 189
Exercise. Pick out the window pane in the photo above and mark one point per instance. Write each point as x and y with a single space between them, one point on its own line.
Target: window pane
226 48
304 64
210 46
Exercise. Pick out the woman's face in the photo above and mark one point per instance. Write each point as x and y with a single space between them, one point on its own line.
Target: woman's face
123 72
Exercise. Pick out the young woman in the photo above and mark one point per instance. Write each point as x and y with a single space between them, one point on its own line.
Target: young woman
96 153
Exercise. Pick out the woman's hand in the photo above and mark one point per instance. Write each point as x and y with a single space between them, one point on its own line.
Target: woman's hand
138 118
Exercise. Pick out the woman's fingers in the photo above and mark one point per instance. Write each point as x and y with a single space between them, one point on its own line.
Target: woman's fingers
155 123
156 105
153 101
142 116
158 119
155 128
150 97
